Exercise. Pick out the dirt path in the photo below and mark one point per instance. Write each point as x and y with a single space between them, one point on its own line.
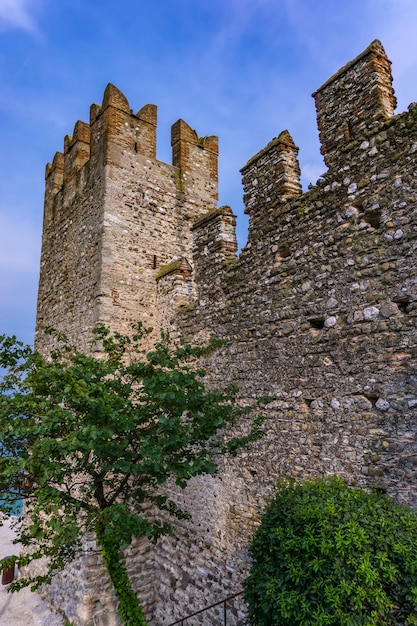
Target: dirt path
23 608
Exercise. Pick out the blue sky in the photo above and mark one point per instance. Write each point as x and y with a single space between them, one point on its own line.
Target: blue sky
240 69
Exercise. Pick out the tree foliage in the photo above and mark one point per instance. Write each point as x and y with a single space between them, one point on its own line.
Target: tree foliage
329 554
88 443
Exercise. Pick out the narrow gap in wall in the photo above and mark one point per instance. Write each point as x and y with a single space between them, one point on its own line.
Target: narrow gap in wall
372 397
316 322
284 253
136 146
373 219
154 262
358 204
402 303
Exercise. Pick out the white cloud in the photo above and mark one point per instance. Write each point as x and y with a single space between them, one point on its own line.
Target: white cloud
18 14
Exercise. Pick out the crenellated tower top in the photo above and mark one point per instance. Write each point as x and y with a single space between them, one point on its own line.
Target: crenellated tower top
354 101
114 126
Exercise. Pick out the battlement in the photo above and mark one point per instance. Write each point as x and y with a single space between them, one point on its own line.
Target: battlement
54 175
113 127
215 235
270 178
354 101
188 148
76 150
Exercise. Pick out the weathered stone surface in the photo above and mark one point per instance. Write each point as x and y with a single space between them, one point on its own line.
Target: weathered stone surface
115 217
320 308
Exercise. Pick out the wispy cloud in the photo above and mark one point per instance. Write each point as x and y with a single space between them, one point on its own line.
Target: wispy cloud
19 14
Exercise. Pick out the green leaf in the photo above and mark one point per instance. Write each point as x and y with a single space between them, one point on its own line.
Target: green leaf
327 553
90 443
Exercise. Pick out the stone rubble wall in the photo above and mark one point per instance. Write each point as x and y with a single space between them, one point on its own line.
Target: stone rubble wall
321 313
320 308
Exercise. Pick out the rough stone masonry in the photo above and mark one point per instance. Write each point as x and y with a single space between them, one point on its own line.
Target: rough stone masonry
320 309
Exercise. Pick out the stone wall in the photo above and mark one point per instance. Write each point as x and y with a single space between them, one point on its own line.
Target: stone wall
320 310
115 220
115 215
321 313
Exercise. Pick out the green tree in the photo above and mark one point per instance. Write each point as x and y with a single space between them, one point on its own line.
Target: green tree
88 443
327 554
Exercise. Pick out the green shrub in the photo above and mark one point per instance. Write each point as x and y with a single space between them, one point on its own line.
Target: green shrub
329 554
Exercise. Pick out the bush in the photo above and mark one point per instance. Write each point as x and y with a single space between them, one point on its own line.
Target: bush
329 554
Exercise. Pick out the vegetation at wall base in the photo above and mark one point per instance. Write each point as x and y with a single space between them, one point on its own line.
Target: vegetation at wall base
89 443
327 554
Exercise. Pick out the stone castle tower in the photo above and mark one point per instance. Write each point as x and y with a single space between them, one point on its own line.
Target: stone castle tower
320 308
114 215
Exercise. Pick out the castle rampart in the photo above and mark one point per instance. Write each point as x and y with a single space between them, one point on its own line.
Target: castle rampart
320 310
